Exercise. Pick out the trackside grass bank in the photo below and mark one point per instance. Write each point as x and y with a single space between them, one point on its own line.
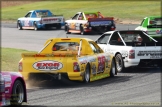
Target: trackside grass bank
10 58
129 10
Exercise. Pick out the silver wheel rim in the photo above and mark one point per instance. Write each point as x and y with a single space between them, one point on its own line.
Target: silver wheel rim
113 68
19 26
119 64
35 26
87 75
81 31
19 93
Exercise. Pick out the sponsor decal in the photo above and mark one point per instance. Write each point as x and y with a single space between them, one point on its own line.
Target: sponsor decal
83 60
100 23
152 54
101 64
99 77
7 79
159 31
49 19
124 53
47 65
91 59
94 71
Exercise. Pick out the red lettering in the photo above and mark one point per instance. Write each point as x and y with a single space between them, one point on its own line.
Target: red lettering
50 64
45 64
39 64
56 64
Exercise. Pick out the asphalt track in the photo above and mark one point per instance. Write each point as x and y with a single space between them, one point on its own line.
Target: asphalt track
137 87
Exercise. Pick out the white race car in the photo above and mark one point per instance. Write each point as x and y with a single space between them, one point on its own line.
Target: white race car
131 48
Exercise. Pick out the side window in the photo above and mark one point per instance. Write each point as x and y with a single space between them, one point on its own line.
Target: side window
33 15
28 15
103 39
75 17
94 49
80 17
116 40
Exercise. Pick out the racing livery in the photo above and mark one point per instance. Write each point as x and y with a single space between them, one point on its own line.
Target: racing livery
84 22
12 88
131 48
78 59
152 26
37 19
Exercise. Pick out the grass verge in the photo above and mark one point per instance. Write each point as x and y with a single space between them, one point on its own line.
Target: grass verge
10 58
130 10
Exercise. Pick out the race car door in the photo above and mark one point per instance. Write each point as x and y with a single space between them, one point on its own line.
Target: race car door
100 63
26 20
72 23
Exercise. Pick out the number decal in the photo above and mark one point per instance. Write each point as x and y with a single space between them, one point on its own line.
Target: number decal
26 23
72 25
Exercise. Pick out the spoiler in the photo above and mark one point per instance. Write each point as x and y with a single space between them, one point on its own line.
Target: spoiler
53 54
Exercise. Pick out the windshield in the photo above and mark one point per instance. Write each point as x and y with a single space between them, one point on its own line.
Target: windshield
103 39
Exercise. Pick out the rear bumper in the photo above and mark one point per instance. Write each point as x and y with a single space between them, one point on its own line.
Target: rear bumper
143 62
131 62
100 29
51 76
50 25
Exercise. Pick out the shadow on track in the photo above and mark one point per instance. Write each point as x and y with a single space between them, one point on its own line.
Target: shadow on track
64 83
143 70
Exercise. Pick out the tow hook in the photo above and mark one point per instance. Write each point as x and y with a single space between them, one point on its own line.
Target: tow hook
59 76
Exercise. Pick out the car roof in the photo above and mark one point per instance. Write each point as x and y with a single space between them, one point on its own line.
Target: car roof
38 10
109 32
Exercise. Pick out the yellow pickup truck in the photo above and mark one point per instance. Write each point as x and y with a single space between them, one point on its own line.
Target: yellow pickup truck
78 59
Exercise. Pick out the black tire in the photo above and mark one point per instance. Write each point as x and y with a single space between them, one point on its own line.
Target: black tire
35 26
18 93
113 69
87 75
67 29
119 63
19 26
82 32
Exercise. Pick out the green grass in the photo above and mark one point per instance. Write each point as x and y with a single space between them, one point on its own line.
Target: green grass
134 10
10 58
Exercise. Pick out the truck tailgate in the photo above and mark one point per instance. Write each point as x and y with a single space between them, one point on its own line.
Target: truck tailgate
46 62
50 20
100 21
152 52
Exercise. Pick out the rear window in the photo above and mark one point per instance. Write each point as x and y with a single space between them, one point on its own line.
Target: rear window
156 21
65 46
43 13
134 36
91 15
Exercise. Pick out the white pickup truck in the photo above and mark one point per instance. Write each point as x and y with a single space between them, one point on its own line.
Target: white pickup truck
131 48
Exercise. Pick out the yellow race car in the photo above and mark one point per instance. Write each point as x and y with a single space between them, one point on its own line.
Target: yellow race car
78 59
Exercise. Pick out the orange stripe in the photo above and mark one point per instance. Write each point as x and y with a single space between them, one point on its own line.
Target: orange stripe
74 31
